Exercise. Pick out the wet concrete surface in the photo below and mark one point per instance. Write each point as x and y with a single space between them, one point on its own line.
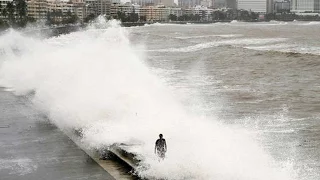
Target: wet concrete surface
31 148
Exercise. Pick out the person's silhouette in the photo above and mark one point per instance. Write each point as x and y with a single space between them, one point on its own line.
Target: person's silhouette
161 147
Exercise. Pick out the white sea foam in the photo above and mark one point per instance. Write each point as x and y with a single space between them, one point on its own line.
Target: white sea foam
313 23
206 36
282 47
96 81
163 24
288 48
235 42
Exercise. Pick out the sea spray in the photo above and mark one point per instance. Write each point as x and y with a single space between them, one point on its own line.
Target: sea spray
95 80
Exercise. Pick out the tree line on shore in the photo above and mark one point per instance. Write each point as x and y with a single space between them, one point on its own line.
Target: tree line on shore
220 15
14 14
243 15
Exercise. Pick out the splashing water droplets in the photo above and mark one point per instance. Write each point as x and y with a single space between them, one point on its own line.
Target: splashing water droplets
96 81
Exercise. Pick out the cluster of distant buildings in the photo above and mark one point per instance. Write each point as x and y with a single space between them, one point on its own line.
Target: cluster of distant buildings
276 6
159 10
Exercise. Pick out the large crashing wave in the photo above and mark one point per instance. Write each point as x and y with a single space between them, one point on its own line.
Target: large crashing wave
95 80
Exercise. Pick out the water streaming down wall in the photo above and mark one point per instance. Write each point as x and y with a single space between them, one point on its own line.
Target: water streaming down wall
95 80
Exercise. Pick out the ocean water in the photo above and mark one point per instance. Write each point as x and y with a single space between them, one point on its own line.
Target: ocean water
235 101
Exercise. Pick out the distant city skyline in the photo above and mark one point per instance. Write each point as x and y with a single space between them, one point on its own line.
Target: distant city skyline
124 1
305 5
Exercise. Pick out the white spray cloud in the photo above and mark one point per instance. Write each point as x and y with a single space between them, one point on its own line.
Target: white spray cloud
96 81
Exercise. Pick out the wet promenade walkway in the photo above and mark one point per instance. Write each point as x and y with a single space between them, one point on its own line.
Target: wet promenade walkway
31 148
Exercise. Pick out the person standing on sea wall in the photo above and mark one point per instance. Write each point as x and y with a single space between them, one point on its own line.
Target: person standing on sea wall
161 147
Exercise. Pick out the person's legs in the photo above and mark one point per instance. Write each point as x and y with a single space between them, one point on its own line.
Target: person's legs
162 155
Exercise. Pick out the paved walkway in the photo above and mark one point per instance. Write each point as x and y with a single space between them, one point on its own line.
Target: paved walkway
33 149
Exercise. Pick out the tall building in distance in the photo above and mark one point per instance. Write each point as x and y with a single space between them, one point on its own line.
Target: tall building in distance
305 6
281 6
270 6
231 4
37 9
219 3
98 7
206 3
188 3
144 2
167 3
258 6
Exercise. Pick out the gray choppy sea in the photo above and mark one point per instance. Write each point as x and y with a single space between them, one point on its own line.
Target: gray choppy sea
261 76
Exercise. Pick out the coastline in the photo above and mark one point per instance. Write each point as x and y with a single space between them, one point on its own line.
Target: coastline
114 159
51 31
